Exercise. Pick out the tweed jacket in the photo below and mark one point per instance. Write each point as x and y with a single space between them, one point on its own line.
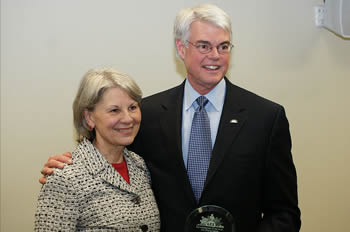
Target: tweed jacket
90 195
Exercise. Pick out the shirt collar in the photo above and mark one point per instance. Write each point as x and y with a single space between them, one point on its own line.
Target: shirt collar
216 96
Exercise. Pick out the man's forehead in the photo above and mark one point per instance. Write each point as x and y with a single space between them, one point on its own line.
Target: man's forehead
206 31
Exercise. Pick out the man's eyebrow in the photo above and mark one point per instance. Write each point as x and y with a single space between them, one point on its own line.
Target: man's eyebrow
226 42
203 41
207 42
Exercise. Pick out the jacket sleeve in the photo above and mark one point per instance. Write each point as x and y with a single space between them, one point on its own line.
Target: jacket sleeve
58 206
280 199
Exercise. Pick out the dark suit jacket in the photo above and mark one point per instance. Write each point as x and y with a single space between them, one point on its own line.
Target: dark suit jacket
251 173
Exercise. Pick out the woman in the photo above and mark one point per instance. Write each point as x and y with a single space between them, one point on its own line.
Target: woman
107 188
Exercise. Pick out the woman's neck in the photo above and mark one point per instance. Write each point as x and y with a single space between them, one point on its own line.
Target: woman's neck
113 154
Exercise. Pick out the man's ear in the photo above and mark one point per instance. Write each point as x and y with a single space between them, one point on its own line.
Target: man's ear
89 119
180 46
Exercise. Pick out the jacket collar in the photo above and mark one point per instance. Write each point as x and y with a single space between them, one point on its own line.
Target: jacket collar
98 166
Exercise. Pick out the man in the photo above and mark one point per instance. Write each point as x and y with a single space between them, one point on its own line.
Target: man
250 171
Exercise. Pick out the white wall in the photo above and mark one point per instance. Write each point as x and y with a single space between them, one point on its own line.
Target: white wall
46 46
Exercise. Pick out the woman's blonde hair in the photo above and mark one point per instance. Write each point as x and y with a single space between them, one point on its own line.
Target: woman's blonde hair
92 87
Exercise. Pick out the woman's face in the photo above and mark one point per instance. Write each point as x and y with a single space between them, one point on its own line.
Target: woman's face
116 119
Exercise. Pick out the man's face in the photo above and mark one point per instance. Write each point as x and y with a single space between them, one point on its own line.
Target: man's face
204 71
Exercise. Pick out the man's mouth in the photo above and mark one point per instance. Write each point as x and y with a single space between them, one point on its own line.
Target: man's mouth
211 67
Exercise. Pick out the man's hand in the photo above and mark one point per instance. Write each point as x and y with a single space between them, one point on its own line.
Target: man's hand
55 161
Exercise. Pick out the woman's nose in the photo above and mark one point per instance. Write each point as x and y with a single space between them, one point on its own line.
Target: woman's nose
127 117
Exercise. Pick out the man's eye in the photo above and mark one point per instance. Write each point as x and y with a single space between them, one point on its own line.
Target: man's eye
224 47
203 46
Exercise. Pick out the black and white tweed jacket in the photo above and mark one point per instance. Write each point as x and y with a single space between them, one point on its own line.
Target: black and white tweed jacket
90 195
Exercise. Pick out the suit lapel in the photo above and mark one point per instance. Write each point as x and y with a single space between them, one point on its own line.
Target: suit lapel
97 165
171 124
111 176
170 121
232 119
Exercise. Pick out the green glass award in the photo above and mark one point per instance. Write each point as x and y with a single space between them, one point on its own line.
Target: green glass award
210 218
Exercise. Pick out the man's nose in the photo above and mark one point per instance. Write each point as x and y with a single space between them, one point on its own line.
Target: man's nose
214 53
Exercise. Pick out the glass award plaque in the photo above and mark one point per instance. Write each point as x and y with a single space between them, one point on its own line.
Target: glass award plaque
210 218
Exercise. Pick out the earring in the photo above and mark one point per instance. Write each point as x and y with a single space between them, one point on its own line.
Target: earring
90 128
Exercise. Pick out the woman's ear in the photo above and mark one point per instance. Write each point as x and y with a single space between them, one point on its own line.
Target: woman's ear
89 119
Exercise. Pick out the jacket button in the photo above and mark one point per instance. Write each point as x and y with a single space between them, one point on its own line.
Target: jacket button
144 228
136 200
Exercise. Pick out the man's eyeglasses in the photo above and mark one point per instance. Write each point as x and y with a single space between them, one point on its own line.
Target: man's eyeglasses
204 47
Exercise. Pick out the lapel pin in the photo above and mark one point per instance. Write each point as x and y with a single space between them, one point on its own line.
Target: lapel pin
234 121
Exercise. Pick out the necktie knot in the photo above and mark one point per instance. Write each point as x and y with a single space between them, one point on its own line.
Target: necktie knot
202 102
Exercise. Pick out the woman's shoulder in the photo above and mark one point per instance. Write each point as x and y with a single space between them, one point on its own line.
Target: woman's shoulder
72 172
69 172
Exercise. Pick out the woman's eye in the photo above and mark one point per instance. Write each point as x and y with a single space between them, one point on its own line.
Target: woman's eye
115 110
133 107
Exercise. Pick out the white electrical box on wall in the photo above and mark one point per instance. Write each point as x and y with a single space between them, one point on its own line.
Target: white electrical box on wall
337 17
